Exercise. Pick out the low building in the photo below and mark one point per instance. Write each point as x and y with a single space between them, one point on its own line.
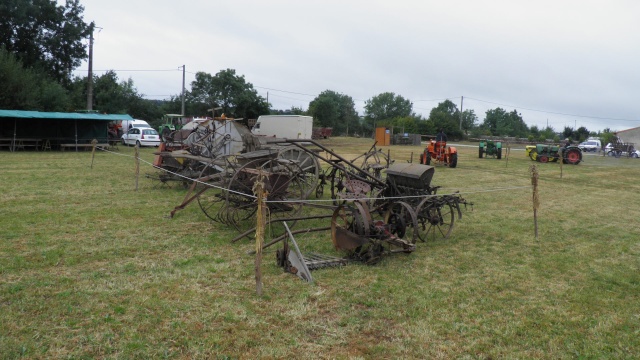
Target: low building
35 129
630 136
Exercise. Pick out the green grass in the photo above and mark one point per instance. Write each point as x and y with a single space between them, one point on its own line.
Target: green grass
92 268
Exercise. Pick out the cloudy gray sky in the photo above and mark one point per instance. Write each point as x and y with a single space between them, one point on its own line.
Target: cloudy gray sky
562 63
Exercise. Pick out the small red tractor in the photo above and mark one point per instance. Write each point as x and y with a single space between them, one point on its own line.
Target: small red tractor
440 153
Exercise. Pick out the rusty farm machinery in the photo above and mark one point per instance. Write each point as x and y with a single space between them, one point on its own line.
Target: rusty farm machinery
370 215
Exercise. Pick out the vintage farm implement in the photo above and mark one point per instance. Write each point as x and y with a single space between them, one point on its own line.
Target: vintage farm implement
370 214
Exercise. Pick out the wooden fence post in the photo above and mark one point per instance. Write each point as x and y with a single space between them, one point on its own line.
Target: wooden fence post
536 198
94 142
137 156
507 152
561 160
261 219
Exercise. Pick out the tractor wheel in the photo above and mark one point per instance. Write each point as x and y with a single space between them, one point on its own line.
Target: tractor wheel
543 159
499 154
428 159
165 134
533 155
453 160
573 156
480 152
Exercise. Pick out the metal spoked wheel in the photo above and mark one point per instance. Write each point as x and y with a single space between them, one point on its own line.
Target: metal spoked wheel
402 221
348 226
435 219
374 162
212 184
337 179
282 184
310 168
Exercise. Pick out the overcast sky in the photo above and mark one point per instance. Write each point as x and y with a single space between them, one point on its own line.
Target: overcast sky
562 63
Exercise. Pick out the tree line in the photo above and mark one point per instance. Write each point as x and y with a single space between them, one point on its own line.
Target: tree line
41 43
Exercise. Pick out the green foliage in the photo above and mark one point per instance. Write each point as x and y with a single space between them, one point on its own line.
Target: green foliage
27 89
19 85
501 123
331 109
232 92
608 136
446 116
293 111
469 120
386 107
44 35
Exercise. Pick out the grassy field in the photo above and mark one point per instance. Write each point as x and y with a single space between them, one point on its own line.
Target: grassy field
92 268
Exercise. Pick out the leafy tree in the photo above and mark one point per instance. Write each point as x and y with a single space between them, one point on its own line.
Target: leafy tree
582 134
53 97
44 35
548 134
110 95
19 85
331 109
324 110
237 97
385 107
407 124
27 89
501 123
293 111
469 121
446 116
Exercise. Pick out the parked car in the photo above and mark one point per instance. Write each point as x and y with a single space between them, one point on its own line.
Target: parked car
611 150
141 137
590 145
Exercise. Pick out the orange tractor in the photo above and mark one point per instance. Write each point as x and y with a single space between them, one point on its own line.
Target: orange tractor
440 153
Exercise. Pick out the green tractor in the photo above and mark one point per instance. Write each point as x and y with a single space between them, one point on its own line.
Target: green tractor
545 153
490 148
170 123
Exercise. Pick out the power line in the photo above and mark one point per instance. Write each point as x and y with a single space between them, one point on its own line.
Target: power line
552 112
141 70
420 100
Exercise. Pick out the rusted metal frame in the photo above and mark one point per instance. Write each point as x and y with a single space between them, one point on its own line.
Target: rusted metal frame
306 273
369 178
295 218
188 198
282 237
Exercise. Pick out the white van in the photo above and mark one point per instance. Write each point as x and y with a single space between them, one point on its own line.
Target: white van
284 126
590 145
128 124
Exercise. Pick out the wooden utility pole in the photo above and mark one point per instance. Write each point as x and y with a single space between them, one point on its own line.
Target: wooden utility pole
90 75
461 102
183 71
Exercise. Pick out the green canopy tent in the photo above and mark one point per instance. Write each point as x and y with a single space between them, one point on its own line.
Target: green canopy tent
56 127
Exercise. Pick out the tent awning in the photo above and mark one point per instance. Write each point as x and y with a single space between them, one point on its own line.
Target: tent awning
21 114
